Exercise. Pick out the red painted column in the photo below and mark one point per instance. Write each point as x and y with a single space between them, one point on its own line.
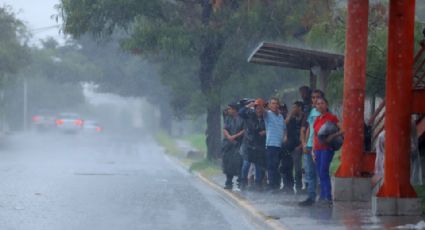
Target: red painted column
354 88
399 97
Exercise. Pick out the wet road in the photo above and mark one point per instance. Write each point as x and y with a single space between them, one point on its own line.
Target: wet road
90 182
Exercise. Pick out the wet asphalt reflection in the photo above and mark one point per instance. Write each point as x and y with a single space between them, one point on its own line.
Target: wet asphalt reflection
52 181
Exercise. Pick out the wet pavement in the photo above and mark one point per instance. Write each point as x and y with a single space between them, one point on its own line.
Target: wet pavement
104 182
343 215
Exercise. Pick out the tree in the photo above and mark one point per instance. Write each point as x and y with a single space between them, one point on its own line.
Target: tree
205 33
13 52
13 38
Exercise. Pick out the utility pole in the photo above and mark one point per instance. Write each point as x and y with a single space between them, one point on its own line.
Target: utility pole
25 114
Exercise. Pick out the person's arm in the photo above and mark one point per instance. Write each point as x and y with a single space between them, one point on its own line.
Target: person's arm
302 138
226 134
305 137
290 116
239 134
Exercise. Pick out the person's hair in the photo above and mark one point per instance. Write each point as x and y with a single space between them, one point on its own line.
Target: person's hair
305 88
274 99
324 99
320 92
299 104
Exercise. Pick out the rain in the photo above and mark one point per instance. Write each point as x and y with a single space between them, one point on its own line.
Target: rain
212 114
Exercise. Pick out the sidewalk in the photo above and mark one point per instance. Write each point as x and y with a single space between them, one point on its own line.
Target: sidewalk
284 210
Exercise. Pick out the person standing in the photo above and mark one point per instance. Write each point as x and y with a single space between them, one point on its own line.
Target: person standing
254 142
275 131
323 152
293 149
307 142
305 93
233 132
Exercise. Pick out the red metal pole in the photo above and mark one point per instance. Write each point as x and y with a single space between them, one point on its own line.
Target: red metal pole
399 97
354 88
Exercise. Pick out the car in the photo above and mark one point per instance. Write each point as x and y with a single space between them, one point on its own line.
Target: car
69 122
91 126
44 120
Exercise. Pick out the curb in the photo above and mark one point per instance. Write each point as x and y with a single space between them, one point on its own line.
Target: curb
258 217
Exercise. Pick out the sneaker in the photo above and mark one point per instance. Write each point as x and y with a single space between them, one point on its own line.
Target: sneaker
307 202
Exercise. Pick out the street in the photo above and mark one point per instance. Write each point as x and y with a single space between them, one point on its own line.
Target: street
59 181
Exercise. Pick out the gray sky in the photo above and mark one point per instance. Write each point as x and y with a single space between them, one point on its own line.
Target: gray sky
36 14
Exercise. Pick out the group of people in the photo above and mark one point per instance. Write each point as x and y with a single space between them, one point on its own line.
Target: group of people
279 144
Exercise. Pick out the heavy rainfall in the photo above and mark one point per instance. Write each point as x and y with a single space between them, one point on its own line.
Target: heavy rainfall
212 114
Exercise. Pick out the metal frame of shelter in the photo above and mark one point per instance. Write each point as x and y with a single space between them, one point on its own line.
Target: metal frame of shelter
319 63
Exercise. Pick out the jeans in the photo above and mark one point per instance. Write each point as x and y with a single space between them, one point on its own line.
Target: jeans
272 160
310 174
323 161
259 172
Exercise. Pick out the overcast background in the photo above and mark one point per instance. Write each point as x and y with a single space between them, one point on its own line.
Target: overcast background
37 15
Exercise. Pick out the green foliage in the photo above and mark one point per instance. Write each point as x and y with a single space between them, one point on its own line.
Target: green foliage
168 143
13 36
197 141
206 167
173 34
62 64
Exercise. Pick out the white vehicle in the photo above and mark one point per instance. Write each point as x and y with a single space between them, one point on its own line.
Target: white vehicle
69 122
91 126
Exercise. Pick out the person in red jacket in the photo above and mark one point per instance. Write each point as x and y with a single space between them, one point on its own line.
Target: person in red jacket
323 152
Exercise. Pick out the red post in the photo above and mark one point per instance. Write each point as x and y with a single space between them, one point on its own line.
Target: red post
354 88
399 97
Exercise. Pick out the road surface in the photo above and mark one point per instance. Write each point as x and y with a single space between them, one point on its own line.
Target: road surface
104 182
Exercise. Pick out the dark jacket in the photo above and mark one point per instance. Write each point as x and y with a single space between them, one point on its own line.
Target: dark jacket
232 161
253 143
293 133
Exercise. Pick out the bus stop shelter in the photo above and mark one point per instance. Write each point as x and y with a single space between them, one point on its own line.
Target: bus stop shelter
396 196
318 63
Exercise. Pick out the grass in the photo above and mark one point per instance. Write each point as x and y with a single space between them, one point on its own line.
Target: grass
204 166
168 143
197 141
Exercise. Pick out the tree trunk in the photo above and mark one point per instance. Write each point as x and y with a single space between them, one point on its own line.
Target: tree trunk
211 90
213 132
213 43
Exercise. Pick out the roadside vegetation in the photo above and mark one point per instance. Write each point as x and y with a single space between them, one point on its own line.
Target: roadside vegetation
203 166
197 141
169 144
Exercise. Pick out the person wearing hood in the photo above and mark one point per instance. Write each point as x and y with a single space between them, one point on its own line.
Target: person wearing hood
233 131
